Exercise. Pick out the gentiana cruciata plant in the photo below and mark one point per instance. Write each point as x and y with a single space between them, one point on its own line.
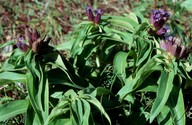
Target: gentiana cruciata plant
116 72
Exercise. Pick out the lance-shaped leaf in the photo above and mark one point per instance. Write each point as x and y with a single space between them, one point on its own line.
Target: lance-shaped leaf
13 108
163 92
15 77
176 106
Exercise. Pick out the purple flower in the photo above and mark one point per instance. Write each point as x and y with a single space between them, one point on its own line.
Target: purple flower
174 47
98 16
21 44
32 35
162 31
95 19
158 18
89 12
33 38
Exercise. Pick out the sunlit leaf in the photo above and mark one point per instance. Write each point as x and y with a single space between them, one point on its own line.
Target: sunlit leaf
98 105
164 117
7 44
176 106
15 77
120 64
163 92
122 24
132 83
13 108
187 5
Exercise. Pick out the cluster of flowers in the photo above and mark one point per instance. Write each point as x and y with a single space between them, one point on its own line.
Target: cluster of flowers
95 19
158 19
171 44
31 35
35 43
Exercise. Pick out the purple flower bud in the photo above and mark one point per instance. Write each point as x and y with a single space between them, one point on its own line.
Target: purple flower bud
174 47
35 35
158 18
32 35
89 13
98 16
21 44
162 31
95 19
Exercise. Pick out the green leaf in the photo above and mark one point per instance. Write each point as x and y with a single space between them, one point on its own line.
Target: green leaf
164 117
87 111
88 49
60 121
60 109
120 64
8 77
80 38
122 24
163 92
32 92
141 28
7 44
58 76
1 29
117 36
187 5
176 105
182 70
43 94
133 82
13 108
130 18
38 88
30 114
77 112
97 104
15 62
144 50
64 46
100 91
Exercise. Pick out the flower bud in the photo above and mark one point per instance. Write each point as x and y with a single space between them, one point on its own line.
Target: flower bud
89 13
174 47
95 19
21 44
162 31
158 18
98 16
32 35
36 46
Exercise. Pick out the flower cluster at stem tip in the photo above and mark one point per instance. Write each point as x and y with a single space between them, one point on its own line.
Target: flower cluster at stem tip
35 43
33 38
95 19
170 44
158 19
173 46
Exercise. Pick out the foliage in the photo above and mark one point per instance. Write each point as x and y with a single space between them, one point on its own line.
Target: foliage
118 72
